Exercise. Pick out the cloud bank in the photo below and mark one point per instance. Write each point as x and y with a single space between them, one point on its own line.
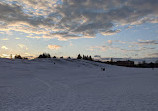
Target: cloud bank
4 47
54 47
147 42
73 19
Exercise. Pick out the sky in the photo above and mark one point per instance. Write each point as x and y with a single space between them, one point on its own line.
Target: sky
100 28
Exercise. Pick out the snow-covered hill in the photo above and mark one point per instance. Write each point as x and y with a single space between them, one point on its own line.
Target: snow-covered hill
75 85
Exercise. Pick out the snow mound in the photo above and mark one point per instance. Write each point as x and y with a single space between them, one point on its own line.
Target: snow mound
75 85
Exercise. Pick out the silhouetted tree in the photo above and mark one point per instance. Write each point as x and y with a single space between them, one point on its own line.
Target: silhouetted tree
90 58
18 57
61 57
69 57
83 57
86 57
54 57
79 57
44 55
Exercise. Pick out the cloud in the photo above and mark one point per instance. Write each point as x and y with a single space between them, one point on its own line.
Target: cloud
4 47
76 18
122 42
129 27
147 42
41 6
153 55
105 48
14 14
98 56
54 47
110 41
5 39
139 43
22 46
101 16
5 55
111 32
17 38
100 48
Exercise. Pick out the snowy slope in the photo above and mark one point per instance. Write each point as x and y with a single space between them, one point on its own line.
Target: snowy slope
75 85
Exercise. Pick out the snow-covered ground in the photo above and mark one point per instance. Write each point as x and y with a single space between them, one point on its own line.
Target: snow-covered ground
75 85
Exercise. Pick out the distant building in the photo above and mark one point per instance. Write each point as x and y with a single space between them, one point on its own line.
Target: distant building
125 63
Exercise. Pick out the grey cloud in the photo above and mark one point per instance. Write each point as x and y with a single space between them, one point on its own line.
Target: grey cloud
60 33
146 6
80 18
120 49
153 55
138 50
97 56
147 42
9 13
13 13
100 15
110 32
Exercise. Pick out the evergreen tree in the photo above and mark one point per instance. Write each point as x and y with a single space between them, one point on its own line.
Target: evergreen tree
18 57
54 57
83 57
69 57
90 58
86 57
79 57
44 55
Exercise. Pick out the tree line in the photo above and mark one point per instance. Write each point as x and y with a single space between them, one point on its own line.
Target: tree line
47 55
84 57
